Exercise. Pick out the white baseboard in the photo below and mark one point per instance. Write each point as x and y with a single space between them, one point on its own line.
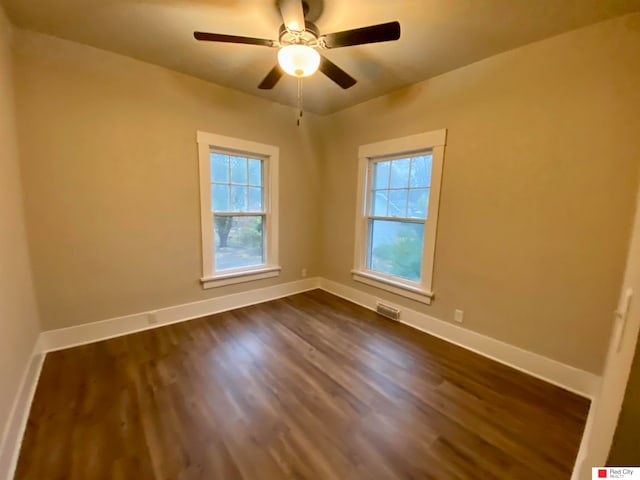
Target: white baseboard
565 376
17 421
114 327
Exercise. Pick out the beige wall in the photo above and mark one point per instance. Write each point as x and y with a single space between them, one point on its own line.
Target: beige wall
18 312
111 179
538 187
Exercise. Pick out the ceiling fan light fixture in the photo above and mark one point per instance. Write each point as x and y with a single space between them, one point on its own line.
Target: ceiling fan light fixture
299 60
298 41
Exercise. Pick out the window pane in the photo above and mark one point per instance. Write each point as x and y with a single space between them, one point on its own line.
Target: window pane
418 203
238 170
381 175
395 248
421 171
219 198
255 172
379 203
398 203
238 199
238 242
400 173
255 199
219 167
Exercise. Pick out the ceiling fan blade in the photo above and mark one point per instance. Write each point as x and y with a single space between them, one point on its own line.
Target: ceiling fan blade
218 37
274 75
375 33
336 74
292 14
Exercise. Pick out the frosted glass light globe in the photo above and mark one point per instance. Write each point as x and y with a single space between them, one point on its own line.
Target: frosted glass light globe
299 60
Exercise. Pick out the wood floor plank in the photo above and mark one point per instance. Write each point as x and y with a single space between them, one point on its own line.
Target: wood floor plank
305 387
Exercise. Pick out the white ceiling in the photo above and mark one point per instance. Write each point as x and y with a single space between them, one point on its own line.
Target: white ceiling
437 36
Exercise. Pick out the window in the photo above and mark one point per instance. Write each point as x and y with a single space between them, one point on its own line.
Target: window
398 196
239 211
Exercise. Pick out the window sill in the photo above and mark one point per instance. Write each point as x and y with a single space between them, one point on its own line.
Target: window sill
223 279
414 293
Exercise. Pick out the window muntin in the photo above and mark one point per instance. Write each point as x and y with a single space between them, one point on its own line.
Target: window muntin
398 193
400 187
236 183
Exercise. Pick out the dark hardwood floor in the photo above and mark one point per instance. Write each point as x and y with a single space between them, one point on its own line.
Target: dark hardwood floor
305 387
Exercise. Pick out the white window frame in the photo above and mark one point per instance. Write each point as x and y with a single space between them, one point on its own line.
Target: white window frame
208 142
434 142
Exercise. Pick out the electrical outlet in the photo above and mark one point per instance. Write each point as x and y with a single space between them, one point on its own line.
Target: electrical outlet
303 272
152 319
458 316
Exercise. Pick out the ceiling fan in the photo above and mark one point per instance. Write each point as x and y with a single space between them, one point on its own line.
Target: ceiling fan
299 41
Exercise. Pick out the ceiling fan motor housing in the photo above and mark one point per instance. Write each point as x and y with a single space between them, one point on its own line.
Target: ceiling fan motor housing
308 37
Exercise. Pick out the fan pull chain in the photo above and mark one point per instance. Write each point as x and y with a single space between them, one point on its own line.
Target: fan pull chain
299 100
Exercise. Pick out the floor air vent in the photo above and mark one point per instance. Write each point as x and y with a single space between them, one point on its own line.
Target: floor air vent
387 311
